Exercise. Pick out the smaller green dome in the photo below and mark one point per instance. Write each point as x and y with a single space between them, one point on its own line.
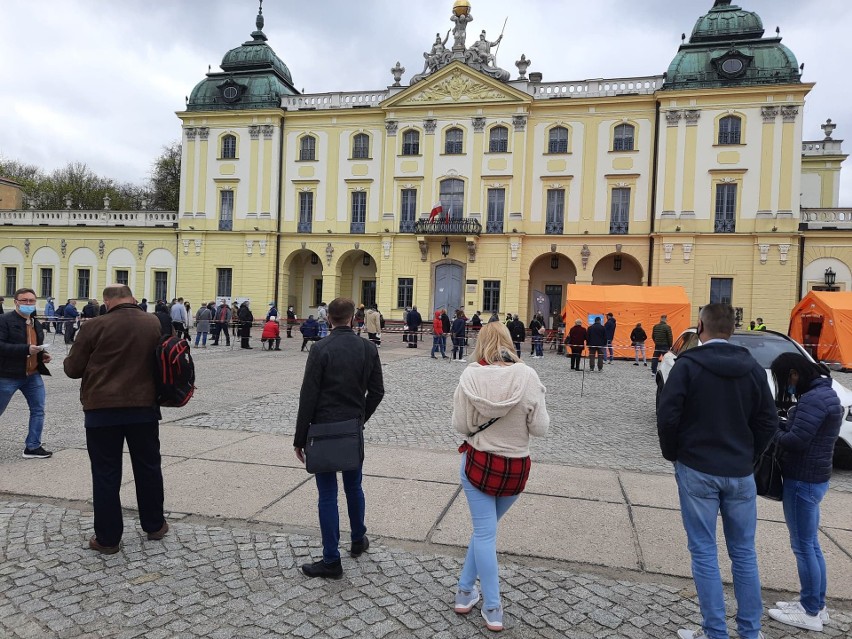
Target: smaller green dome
727 22
253 77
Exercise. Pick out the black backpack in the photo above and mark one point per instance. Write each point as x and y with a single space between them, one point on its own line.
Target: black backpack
175 372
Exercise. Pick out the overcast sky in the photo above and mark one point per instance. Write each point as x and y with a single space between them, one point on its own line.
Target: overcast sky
99 81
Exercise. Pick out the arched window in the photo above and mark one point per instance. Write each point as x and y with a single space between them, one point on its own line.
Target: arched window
558 140
452 198
229 147
308 148
498 141
361 147
454 142
411 142
730 130
623 140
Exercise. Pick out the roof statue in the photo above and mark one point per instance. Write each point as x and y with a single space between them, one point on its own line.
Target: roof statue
478 56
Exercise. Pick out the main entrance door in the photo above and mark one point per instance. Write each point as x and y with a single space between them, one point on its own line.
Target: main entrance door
448 287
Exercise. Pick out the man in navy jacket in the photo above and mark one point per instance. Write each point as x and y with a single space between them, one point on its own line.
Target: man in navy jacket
596 341
609 328
716 414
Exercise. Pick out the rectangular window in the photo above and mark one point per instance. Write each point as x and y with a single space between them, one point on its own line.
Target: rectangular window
306 212
721 290
555 212
226 210
726 208
408 210
496 206
224 279
491 295
47 282
405 292
620 213
84 281
161 285
359 212
317 292
499 140
11 281
122 276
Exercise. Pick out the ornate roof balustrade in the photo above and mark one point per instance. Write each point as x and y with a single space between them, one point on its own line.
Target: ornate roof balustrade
822 147
453 227
596 88
815 219
339 100
88 218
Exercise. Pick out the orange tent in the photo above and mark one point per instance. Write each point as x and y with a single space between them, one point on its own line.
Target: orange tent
629 305
822 323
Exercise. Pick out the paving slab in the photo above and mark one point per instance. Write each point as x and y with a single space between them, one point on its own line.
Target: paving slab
843 539
578 530
581 483
180 441
221 489
270 450
663 544
836 510
412 463
66 475
648 489
398 508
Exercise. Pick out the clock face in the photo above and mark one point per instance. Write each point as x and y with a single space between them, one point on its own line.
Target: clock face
733 66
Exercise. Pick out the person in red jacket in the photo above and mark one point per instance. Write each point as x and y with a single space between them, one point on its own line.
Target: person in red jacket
576 340
438 343
271 332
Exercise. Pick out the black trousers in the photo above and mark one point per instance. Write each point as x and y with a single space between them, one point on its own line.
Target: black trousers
105 446
576 355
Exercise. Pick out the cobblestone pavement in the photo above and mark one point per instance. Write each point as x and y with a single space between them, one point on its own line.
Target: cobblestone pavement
223 582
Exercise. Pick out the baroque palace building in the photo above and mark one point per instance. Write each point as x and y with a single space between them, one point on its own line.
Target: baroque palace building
464 188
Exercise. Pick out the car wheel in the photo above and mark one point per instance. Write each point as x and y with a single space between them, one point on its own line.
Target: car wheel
842 455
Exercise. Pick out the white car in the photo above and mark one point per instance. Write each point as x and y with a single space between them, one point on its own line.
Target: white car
765 346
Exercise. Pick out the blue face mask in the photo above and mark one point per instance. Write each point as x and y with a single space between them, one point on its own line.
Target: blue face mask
27 309
791 389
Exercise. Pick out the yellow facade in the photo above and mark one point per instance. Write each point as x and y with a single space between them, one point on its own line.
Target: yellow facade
623 181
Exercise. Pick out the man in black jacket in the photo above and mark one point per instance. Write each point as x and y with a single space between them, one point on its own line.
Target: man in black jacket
343 380
596 341
518 332
716 414
22 363
414 320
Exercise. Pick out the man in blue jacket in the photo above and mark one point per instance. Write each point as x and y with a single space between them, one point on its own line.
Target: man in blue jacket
716 414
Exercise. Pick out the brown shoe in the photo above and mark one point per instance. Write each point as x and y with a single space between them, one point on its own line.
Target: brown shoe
94 544
157 536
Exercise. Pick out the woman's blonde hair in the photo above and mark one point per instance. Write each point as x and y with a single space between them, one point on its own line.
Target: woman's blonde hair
494 344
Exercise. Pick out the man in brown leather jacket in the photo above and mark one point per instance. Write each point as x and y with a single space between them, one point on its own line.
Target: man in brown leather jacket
114 356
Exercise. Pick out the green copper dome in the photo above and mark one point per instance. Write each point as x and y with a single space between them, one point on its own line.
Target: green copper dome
727 48
726 22
253 77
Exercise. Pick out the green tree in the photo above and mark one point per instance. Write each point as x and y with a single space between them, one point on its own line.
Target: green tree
165 179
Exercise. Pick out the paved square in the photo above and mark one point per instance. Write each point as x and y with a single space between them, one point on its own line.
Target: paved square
593 549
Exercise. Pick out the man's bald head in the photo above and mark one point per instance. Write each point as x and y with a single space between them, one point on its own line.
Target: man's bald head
116 294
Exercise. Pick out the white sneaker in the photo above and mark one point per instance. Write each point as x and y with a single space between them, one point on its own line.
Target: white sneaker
795 605
797 617
463 361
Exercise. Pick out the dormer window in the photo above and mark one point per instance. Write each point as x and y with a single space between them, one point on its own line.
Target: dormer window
231 91
732 65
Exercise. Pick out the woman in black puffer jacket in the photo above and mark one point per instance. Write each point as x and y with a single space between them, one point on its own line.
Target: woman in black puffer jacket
807 442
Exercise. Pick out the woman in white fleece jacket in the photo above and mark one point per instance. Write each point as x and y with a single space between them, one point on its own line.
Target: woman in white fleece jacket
498 385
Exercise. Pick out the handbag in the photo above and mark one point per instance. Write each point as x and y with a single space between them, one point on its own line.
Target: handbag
767 473
335 446
542 331
494 474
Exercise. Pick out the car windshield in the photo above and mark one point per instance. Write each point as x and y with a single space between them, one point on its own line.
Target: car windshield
764 347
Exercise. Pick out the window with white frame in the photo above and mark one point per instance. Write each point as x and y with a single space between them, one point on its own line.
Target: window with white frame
496 208
308 148
554 223
224 282
47 282
306 212
411 142
361 147
491 295
226 210
452 198
161 285
726 208
405 292
11 280
721 290
557 141
498 140
229 147
84 281
730 130
623 139
619 220
454 142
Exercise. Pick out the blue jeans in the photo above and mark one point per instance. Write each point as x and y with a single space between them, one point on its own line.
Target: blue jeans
439 344
702 497
801 511
203 337
538 343
32 388
481 559
328 516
